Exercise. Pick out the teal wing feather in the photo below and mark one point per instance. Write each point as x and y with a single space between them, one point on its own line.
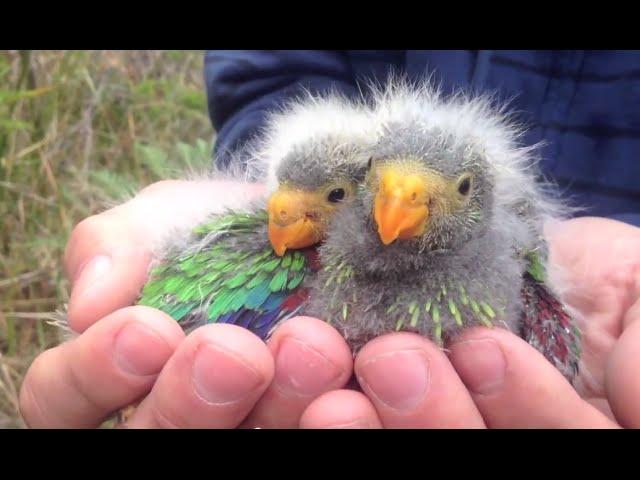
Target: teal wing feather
233 277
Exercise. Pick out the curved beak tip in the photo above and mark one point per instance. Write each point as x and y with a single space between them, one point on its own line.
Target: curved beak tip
277 241
398 221
299 234
279 250
387 238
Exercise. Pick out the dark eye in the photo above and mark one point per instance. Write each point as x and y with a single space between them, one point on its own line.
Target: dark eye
464 186
336 195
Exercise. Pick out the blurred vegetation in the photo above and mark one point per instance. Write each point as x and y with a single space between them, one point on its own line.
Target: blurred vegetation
79 132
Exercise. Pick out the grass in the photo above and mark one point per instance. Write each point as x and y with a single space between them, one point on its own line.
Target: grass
79 132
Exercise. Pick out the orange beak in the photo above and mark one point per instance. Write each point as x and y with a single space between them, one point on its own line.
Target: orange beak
401 210
293 220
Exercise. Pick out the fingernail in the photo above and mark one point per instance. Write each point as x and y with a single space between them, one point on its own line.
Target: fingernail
221 377
481 364
356 424
94 270
399 379
302 370
139 350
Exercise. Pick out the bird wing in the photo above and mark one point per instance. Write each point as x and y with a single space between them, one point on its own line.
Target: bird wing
230 274
546 324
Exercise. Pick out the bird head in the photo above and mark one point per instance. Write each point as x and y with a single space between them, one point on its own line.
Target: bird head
444 172
427 192
311 150
315 179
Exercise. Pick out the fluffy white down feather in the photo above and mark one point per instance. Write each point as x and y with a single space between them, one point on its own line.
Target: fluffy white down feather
478 121
306 119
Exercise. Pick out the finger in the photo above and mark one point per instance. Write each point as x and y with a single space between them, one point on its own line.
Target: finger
622 377
212 381
107 260
112 364
311 358
514 386
412 384
108 255
341 409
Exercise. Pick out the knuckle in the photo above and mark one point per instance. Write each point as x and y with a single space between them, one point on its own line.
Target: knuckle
89 228
166 417
160 186
85 389
88 232
30 408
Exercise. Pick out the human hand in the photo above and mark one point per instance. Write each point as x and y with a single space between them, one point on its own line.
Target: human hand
462 390
491 378
219 376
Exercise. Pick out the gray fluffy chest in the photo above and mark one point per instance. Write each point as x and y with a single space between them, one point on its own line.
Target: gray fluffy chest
438 301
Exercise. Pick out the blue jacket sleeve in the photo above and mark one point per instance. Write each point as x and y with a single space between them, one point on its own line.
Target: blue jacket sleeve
630 218
243 85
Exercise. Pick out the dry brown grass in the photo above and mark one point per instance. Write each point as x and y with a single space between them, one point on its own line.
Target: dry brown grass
79 131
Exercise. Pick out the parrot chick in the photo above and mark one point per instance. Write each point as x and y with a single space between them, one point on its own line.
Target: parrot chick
445 232
250 267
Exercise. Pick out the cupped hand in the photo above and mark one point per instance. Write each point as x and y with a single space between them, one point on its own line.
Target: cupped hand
218 376
491 378
223 376
108 255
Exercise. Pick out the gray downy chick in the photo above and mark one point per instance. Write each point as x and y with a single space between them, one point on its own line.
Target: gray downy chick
446 232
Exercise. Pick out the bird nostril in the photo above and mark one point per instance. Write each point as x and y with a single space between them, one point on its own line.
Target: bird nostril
311 215
283 213
414 195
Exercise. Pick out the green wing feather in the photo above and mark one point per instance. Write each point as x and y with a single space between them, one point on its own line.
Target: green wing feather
535 266
233 277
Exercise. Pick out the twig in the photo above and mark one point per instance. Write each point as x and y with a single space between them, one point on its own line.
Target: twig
23 279
28 315
16 188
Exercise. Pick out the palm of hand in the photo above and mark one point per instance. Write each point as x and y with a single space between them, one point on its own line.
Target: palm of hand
601 263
